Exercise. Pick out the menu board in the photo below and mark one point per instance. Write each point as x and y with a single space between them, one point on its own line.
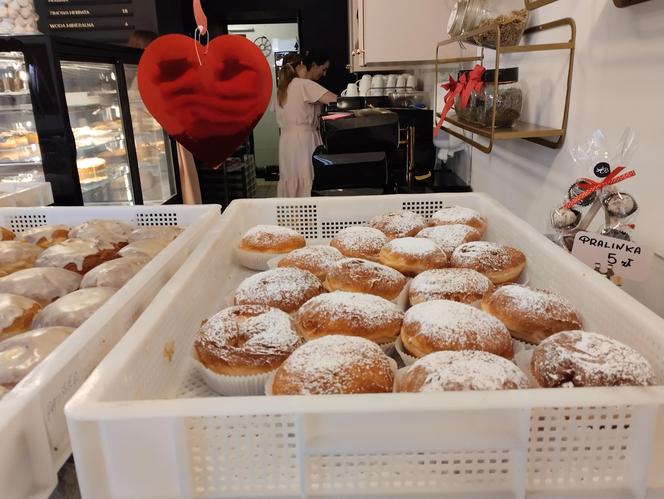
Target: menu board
98 20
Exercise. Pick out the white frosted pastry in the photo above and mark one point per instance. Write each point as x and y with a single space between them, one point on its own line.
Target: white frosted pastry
114 273
17 255
73 309
16 314
42 284
107 231
167 233
148 248
45 236
20 354
77 255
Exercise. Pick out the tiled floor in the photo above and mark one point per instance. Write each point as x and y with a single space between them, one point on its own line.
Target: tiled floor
265 189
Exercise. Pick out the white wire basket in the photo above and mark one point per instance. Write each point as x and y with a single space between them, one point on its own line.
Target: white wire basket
33 432
144 425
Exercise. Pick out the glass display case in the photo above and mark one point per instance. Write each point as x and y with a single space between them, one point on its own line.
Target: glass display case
72 115
20 156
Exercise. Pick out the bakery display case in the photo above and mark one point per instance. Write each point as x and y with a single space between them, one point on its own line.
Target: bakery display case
72 115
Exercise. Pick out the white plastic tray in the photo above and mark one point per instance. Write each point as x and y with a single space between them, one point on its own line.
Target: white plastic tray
145 425
33 432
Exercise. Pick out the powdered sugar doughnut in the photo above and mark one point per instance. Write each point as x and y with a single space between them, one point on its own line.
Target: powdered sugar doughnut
315 259
578 358
45 236
42 284
114 273
398 224
335 365
499 263
17 255
359 242
148 248
285 288
77 255
16 314
271 239
446 325
459 215
450 237
362 276
461 285
166 233
461 371
246 340
352 314
73 309
20 354
412 255
531 314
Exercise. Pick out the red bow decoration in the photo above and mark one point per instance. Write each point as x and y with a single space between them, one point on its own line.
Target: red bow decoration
589 186
464 86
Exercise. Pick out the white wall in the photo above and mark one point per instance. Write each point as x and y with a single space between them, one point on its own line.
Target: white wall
618 82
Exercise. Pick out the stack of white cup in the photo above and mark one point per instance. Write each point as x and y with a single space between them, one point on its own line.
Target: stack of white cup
18 17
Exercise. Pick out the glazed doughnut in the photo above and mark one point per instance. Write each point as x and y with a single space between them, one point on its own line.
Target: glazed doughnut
578 358
451 371
271 239
6 234
42 284
20 354
285 288
166 233
531 314
73 309
362 276
16 314
359 242
499 263
77 255
412 255
334 365
447 325
148 248
450 237
17 255
45 236
246 340
461 285
398 224
316 259
459 215
350 314
114 273
103 231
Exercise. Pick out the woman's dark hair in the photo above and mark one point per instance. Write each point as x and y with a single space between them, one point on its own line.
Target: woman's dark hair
287 73
312 57
141 38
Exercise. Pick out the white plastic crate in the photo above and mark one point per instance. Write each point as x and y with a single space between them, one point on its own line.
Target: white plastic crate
33 433
144 425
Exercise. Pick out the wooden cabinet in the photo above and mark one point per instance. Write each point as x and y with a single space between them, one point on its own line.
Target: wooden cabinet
389 32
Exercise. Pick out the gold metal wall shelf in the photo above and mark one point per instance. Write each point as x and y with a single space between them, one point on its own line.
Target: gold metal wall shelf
536 4
522 130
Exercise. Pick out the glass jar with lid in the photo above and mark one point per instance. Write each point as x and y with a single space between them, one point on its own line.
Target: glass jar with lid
509 98
474 108
469 15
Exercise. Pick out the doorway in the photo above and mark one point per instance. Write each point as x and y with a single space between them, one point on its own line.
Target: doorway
275 40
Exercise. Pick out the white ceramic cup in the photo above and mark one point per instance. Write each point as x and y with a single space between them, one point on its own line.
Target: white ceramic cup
391 81
377 85
412 82
351 90
365 85
402 82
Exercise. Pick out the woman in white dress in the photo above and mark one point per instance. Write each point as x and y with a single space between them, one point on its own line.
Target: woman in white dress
299 99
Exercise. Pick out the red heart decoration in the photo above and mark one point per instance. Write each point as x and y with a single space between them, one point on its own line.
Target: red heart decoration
210 106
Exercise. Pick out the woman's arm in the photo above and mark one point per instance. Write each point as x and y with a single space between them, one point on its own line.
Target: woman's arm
327 98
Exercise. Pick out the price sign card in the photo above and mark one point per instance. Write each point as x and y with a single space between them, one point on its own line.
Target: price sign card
610 255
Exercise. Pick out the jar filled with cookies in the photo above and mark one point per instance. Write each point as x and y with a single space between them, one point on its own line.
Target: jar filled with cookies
510 15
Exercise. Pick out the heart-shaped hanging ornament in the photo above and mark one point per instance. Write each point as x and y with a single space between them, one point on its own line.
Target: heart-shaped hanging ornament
207 98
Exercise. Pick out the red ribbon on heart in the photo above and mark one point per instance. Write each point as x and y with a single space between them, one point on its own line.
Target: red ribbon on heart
464 87
209 107
589 186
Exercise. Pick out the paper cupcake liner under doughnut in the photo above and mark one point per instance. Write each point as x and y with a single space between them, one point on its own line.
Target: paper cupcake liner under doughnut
522 360
270 379
233 386
407 359
402 300
256 260
388 348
